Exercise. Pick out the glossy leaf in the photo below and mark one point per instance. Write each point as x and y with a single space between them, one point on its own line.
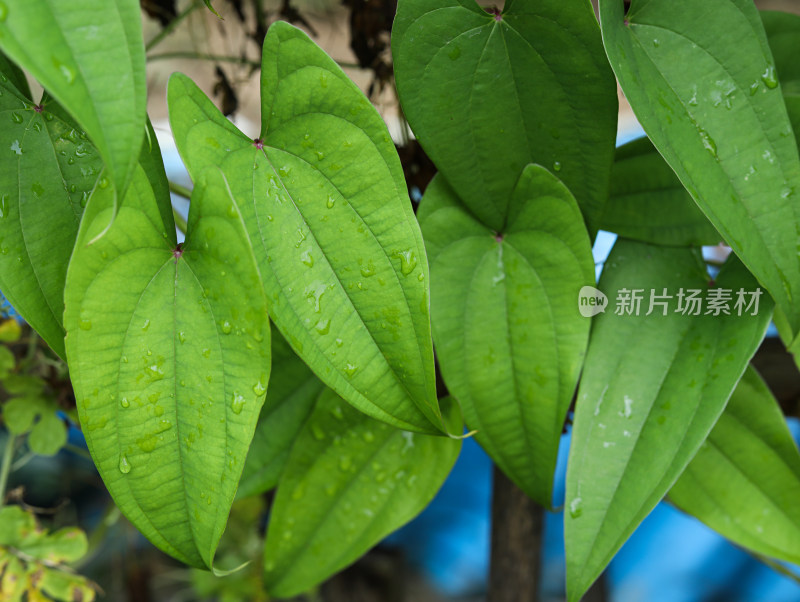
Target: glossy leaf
293 389
647 201
340 252
652 388
488 94
168 350
350 481
745 480
46 176
90 56
509 337
701 79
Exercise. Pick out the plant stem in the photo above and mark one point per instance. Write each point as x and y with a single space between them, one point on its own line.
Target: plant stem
5 467
172 25
180 190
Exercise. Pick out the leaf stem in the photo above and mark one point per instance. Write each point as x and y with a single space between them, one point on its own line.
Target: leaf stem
180 190
172 25
180 223
5 467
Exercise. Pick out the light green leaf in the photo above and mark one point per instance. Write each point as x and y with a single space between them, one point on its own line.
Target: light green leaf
15 76
350 481
486 95
36 414
90 56
168 350
701 79
508 334
7 361
293 389
47 174
340 252
647 202
652 388
745 480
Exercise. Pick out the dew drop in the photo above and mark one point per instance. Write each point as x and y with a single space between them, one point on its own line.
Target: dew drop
16 117
15 147
103 183
85 324
124 402
708 142
259 389
350 369
146 325
307 258
284 171
124 465
557 166
182 336
226 327
331 202
3 206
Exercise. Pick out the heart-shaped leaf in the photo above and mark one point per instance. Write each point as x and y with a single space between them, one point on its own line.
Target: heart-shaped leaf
340 252
647 202
487 93
90 56
658 374
293 389
47 174
509 337
350 481
745 480
701 79
168 350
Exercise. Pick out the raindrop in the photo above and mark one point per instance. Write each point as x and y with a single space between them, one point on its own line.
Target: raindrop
769 77
320 155
125 403
575 509
708 142
85 324
124 465
103 183
146 325
323 326
557 166
4 206
284 171
331 202
15 147
408 261
37 189
350 369
226 327
307 258
237 405
753 89
182 336
454 53
339 342
259 389
16 117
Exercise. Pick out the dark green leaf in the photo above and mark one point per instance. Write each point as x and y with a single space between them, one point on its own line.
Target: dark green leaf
90 56
486 95
509 337
350 481
701 79
340 252
168 350
647 201
652 388
745 480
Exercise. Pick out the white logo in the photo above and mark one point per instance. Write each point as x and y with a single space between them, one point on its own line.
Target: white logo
591 301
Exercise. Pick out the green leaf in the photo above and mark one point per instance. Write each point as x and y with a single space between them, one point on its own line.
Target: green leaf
90 56
211 8
169 381
745 480
350 481
15 75
339 249
293 389
487 95
7 361
36 414
652 388
647 202
509 337
49 173
701 79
